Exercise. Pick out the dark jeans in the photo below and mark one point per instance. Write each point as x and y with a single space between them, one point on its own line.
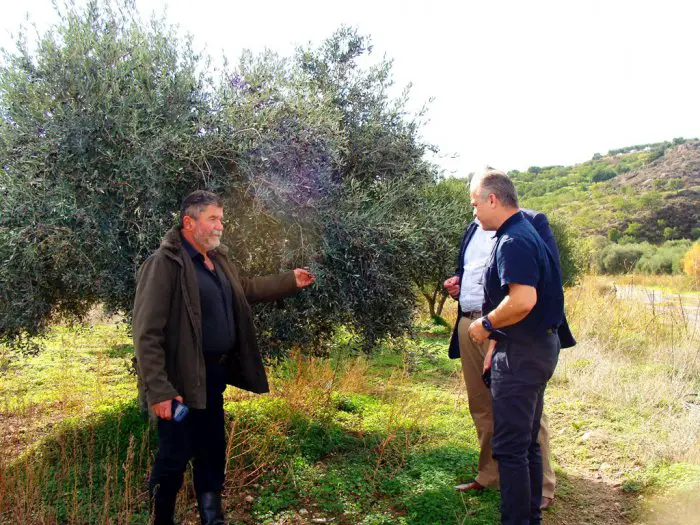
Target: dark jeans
201 437
519 375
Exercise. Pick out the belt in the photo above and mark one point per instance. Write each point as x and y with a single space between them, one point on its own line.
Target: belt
528 339
474 314
215 359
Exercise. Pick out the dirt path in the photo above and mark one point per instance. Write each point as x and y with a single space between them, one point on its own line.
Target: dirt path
582 501
660 299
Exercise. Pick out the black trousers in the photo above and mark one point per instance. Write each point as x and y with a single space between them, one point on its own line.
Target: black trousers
519 375
201 436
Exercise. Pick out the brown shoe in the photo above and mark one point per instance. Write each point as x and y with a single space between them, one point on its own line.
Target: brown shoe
546 502
471 486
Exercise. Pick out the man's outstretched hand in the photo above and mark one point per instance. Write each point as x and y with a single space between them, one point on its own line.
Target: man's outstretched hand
304 277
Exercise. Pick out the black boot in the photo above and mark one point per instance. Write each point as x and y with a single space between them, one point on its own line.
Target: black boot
210 508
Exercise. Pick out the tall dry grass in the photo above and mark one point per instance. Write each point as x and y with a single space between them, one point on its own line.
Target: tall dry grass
641 357
677 283
79 475
94 468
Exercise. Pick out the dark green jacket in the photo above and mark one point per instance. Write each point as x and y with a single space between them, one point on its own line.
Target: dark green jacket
167 325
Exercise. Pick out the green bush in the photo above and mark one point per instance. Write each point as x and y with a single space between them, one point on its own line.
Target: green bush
666 259
643 257
617 258
589 249
572 264
603 173
614 234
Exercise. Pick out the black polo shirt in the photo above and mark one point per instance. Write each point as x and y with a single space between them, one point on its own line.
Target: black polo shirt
521 257
216 302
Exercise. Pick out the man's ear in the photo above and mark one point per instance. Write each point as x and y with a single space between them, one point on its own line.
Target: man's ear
187 222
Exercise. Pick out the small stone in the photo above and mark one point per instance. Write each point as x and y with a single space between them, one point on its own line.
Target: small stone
303 512
249 499
586 436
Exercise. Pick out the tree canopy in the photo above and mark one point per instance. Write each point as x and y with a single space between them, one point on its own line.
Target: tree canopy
110 121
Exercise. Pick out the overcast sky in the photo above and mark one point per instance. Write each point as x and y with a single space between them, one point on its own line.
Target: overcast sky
515 83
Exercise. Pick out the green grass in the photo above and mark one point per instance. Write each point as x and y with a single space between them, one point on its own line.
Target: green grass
380 440
369 462
390 453
84 369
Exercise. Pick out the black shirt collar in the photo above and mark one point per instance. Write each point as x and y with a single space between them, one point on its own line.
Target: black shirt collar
513 219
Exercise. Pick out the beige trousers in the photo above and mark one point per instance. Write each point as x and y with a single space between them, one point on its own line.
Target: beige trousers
480 407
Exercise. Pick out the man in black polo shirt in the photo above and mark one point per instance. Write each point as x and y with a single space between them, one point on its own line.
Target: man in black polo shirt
524 306
193 334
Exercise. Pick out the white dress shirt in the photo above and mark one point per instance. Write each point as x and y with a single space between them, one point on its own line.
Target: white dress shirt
476 257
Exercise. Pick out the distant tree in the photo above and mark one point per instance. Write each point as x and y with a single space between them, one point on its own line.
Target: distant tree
588 251
614 234
664 259
572 264
657 152
603 173
675 184
633 229
442 213
670 233
623 168
616 259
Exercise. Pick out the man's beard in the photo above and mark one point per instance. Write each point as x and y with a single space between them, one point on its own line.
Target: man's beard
209 242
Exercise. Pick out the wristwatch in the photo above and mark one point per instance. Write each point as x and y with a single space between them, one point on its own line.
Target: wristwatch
487 324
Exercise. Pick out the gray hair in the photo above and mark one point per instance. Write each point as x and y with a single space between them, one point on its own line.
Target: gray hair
196 202
496 182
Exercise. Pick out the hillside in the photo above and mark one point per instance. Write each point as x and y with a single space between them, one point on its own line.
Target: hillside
649 192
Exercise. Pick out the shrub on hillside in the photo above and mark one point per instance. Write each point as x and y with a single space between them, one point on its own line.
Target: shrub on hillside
589 249
621 258
691 262
570 257
603 173
665 259
642 257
